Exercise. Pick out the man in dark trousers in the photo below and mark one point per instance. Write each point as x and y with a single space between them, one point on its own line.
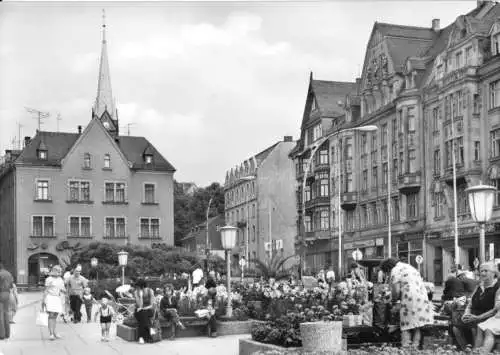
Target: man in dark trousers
453 287
6 284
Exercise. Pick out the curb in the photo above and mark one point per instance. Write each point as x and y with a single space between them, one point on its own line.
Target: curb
27 305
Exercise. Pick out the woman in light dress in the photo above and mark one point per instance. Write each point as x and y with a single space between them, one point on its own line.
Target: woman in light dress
52 300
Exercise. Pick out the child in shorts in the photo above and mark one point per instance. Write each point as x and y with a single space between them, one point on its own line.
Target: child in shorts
106 314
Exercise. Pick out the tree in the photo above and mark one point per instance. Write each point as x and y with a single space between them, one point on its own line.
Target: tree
273 268
190 211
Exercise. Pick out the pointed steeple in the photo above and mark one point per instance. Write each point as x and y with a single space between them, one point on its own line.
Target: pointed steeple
104 101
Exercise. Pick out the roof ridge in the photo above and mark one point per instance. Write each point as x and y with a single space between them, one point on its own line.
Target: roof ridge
405 26
335 81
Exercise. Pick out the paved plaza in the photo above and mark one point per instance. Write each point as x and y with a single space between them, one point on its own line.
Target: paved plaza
84 338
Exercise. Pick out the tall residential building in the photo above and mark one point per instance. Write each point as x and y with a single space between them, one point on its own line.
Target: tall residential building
424 88
260 202
65 190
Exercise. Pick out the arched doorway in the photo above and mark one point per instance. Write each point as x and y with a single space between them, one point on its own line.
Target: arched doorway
39 265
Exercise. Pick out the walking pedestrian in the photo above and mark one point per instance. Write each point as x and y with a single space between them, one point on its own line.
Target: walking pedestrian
88 302
13 301
6 282
144 303
76 285
52 301
106 314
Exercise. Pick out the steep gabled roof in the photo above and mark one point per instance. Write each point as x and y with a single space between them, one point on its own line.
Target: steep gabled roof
401 48
58 144
329 93
263 154
392 30
134 147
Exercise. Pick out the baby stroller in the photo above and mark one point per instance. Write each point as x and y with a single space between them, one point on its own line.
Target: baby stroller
124 307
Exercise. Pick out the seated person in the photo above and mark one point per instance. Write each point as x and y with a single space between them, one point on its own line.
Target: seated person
212 322
168 309
481 307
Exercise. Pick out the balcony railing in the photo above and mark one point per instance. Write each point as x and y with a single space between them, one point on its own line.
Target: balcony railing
409 182
349 200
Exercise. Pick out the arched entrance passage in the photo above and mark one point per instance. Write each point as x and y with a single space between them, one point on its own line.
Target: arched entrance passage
39 265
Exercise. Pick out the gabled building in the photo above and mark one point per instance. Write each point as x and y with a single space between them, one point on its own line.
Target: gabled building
424 88
260 202
65 190
196 240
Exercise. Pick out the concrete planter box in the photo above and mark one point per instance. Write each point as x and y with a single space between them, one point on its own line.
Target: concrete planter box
126 333
321 336
235 327
249 346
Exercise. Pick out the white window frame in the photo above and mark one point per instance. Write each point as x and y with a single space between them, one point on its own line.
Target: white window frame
80 193
155 200
43 225
115 225
494 94
108 156
114 182
149 228
37 198
85 160
80 235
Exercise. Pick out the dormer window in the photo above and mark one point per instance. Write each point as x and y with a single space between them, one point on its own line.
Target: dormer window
148 158
86 161
42 154
42 151
495 44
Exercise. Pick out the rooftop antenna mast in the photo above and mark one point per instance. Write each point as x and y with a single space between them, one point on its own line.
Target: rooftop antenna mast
128 127
19 125
40 115
58 118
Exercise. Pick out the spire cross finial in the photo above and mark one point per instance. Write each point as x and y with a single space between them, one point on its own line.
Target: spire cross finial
104 25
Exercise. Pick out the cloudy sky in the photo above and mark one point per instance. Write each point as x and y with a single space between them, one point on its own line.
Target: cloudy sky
208 83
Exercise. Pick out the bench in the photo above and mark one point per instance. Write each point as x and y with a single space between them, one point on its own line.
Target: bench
194 327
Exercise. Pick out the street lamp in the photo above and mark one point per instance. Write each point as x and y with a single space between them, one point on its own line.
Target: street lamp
122 261
228 240
481 198
367 128
93 263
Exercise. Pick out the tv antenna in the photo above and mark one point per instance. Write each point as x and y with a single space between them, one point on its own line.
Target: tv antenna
58 118
40 115
19 125
128 127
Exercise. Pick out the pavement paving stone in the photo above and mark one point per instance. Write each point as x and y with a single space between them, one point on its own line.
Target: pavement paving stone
84 338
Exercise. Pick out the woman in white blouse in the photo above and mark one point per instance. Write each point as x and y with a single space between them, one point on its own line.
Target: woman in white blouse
52 301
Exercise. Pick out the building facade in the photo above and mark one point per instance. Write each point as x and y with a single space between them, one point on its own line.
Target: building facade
196 240
64 190
260 202
425 89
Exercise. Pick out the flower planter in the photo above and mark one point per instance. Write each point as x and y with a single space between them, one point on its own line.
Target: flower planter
249 346
235 327
321 336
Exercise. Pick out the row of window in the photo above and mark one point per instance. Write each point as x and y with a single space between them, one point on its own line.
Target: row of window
87 159
240 194
235 215
80 191
81 226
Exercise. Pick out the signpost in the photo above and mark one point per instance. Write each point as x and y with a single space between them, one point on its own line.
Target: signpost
419 260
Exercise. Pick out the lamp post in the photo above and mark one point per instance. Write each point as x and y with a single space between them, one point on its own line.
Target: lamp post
93 263
207 250
122 261
228 240
314 148
481 198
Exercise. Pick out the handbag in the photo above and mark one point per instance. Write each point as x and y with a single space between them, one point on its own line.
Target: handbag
42 319
155 329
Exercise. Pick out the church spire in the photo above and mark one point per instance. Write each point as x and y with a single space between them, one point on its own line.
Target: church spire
104 101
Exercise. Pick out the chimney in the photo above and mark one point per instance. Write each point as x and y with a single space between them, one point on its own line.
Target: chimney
79 129
435 24
27 140
288 139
